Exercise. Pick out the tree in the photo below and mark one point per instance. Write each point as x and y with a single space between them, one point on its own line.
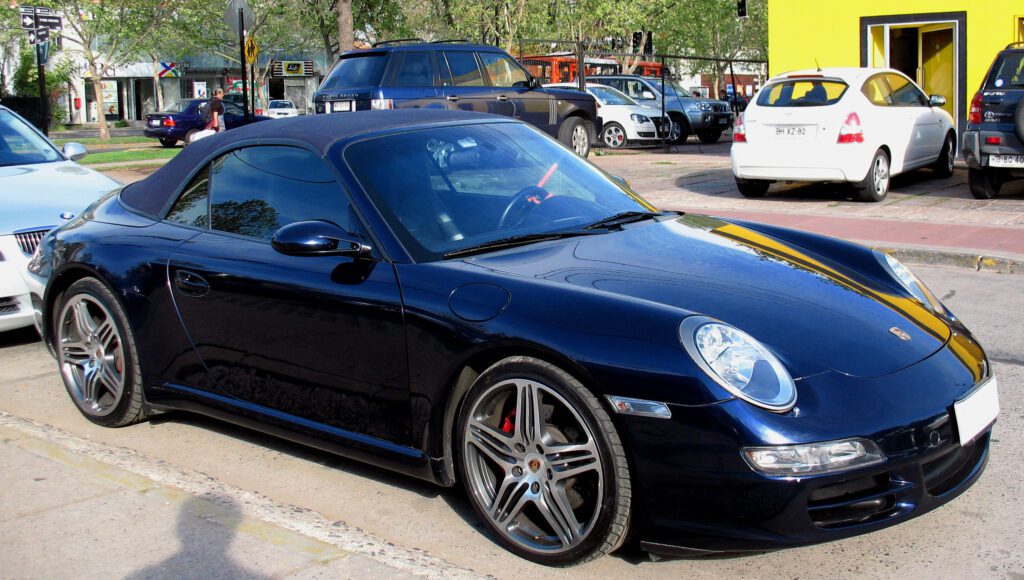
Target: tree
189 30
11 35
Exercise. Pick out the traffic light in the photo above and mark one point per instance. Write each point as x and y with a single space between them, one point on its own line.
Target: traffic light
638 38
649 43
741 8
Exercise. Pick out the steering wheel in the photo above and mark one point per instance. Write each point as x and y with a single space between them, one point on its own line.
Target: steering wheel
522 202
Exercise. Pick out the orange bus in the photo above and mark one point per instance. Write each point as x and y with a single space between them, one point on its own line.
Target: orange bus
562 67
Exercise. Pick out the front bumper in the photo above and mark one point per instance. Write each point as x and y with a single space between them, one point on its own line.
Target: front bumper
16 309
709 120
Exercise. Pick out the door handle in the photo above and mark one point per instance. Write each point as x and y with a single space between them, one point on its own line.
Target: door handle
502 97
452 98
191 283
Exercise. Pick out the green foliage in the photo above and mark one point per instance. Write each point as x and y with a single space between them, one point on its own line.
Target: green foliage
121 124
26 76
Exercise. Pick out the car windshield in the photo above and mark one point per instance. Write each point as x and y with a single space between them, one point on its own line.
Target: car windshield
802 93
671 88
1007 73
610 96
21 145
444 190
281 105
358 70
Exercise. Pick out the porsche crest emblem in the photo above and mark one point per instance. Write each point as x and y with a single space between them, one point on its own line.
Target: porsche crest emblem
900 334
534 465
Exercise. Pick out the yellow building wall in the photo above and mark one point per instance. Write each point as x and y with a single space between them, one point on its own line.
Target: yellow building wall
800 31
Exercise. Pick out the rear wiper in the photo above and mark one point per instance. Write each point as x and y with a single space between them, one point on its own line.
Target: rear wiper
517 241
625 217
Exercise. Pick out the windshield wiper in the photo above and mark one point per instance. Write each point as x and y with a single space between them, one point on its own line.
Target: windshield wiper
517 241
625 217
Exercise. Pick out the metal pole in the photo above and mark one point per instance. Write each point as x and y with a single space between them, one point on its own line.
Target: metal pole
735 89
581 67
252 75
43 109
664 138
241 52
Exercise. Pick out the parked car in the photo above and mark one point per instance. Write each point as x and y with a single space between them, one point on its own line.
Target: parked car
41 187
706 118
846 125
464 77
460 298
184 118
239 99
623 119
280 108
993 143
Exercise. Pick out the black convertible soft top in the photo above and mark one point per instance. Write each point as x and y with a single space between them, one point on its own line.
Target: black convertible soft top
150 195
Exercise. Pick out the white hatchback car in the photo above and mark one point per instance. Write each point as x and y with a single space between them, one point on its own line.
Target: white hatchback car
853 125
623 119
281 108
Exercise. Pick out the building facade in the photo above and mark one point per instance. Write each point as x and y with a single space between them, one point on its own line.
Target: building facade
945 45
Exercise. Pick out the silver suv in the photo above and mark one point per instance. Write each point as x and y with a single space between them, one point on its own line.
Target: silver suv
706 118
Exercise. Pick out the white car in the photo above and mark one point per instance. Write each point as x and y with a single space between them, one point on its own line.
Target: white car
623 119
853 125
282 108
41 187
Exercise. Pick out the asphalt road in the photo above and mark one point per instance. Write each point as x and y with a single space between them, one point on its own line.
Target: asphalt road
978 535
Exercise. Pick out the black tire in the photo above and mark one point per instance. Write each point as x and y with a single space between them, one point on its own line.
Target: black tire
684 128
167 142
613 136
107 350
575 134
752 187
984 183
875 185
1018 120
603 477
944 164
709 137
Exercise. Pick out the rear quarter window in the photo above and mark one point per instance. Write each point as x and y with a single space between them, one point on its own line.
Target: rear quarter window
1007 72
357 70
802 93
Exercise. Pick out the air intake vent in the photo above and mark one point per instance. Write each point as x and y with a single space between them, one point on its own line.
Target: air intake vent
28 241
8 306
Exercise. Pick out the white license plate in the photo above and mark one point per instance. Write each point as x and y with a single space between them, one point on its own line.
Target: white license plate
976 412
154 123
1006 160
794 132
341 106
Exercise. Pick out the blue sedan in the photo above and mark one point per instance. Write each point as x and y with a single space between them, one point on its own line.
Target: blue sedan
184 118
460 298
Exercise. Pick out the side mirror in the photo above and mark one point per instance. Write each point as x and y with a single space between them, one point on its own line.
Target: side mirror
74 151
936 101
533 83
317 238
647 95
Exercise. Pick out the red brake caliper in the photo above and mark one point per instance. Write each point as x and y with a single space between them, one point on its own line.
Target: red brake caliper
508 424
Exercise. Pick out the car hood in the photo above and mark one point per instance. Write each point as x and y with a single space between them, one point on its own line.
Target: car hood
36 195
812 312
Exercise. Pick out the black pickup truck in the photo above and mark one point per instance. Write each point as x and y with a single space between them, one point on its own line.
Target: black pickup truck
993 144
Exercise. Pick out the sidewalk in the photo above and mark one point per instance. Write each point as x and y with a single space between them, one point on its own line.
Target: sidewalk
116 509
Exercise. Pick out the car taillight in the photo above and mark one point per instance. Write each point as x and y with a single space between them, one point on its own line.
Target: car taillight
993 140
381 104
851 131
169 122
974 116
739 130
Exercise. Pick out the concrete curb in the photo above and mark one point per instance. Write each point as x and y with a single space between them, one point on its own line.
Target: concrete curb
970 260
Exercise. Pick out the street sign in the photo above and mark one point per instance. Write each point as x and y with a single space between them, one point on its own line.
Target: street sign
42 51
252 50
28 18
39 35
231 16
50 21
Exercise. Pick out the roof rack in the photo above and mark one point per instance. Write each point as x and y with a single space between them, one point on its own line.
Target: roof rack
1013 44
447 40
396 41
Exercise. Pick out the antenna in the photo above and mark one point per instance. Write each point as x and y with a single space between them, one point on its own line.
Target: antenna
816 64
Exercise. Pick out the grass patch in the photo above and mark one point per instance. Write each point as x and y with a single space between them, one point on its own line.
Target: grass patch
662 163
130 155
140 168
112 141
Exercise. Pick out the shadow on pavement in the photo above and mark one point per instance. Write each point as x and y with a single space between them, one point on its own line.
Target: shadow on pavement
18 337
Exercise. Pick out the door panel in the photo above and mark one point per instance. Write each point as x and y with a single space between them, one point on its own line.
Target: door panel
464 86
937 65
515 99
415 81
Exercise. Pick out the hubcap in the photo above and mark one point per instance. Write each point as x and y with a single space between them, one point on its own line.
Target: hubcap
881 175
534 466
674 131
91 355
614 137
580 140
949 155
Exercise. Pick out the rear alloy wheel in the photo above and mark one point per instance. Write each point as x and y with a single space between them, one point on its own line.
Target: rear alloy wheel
543 464
613 136
875 184
709 137
944 164
752 187
97 356
574 134
678 132
984 183
167 142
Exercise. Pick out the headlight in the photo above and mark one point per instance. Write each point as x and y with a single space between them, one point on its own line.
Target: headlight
702 106
813 458
737 362
911 282
640 118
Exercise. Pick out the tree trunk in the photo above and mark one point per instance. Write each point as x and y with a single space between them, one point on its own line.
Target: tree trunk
101 108
346 37
157 101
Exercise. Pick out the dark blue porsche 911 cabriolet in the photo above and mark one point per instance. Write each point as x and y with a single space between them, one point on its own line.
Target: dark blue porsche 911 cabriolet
459 298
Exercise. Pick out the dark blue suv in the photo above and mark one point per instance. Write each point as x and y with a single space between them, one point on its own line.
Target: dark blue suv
467 77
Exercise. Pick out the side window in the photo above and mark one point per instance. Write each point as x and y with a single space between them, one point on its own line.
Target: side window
877 91
256 190
193 207
465 72
613 83
416 70
636 89
232 109
503 71
905 93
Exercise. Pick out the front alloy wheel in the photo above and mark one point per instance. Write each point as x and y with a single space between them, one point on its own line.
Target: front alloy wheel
613 136
543 464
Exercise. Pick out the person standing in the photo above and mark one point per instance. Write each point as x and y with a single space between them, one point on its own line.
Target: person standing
217 111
